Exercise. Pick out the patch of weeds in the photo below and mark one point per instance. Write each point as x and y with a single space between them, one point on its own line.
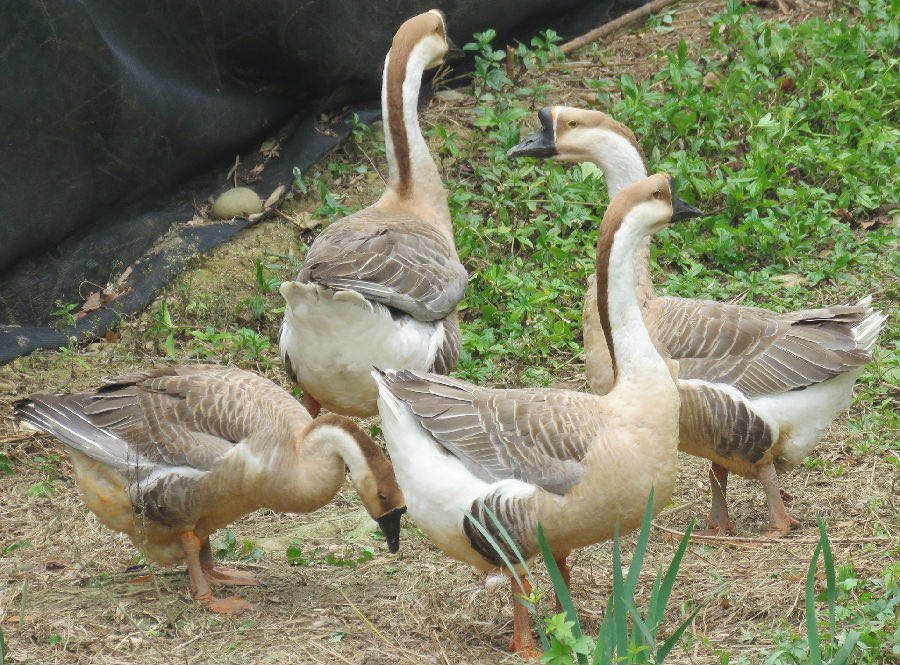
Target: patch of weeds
63 316
349 557
9 548
229 548
6 465
40 488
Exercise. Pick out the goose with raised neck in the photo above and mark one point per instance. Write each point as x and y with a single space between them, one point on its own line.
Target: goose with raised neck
579 464
168 456
758 388
380 287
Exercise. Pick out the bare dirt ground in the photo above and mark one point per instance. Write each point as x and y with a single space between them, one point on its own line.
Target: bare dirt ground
73 592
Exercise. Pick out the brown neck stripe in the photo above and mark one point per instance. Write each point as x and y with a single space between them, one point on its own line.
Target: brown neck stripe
612 220
396 75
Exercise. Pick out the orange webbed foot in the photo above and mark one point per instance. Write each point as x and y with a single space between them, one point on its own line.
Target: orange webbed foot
228 605
223 576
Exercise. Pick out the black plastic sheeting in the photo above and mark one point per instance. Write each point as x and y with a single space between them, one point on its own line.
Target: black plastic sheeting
110 109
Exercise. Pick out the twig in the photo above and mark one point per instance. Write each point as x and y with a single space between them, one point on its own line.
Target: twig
617 24
13 438
737 540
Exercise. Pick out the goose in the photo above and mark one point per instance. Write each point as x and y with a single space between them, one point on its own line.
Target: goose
758 388
167 456
380 287
574 462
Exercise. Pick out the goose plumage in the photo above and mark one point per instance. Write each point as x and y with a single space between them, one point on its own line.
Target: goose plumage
577 463
380 287
758 388
167 456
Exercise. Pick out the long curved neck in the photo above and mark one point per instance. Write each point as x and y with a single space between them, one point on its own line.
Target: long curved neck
412 174
631 348
621 166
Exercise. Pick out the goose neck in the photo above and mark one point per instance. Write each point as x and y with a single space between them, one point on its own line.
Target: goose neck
631 348
413 177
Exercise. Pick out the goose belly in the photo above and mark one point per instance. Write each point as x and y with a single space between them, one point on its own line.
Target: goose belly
438 489
333 339
104 492
804 415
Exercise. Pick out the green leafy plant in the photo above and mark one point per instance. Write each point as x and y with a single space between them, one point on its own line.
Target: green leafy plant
229 548
297 557
63 315
6 465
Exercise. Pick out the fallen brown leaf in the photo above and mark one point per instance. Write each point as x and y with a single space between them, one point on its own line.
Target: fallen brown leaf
274 196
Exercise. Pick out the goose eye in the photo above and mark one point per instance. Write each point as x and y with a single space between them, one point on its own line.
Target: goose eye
573 123
657 194
382 496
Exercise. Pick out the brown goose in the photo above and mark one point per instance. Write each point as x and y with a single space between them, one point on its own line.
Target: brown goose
758 388
574 462
380 287
168 456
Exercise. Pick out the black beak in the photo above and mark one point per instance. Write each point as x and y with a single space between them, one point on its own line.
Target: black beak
539 144
389 523
682 210
454 53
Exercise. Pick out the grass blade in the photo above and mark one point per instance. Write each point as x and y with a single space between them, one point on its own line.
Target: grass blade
668 582
619 627
812 632
562 591
631 608
499 550
831 583
667 646
653 603
637 562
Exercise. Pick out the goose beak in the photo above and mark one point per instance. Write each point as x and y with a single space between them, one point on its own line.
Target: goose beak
389 523
538 144
682 210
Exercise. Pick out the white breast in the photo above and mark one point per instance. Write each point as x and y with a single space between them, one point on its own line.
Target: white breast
335 338
437 487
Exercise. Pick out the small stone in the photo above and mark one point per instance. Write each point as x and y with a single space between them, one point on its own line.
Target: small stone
237 202
449 95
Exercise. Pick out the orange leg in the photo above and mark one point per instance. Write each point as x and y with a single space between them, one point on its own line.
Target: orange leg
221 575
719 521
199 586
523 643
311 404
566 573
780 522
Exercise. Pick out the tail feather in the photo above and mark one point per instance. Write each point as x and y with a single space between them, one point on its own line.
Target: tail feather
63 416
866 332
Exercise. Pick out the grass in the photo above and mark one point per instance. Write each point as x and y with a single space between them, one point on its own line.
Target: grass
786 130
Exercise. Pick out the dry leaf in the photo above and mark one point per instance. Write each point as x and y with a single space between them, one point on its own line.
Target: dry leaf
56 564
274 197
306 221
787 84
710 80
791 279
112 336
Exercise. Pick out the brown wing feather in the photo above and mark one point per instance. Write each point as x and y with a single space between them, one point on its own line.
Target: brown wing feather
401 263
757 351
537 436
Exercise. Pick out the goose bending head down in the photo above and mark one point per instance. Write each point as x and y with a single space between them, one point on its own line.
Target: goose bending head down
758 388
380 287
576 463
168 456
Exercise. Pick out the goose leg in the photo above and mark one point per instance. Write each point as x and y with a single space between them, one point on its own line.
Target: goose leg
222 575
199 586
311 404
566 573
781 522
719 521
523 643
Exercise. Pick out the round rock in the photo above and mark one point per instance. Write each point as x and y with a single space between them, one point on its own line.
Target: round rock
237 202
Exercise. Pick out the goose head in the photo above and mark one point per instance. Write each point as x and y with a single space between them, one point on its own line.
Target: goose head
426 33
647 206
571 134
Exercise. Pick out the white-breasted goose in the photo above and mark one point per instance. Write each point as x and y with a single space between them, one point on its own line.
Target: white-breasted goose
168 456
576 463
380 287
758 388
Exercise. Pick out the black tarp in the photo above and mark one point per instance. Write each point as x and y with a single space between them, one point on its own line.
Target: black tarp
110 110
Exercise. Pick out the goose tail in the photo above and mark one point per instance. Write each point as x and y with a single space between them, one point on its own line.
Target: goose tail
866 332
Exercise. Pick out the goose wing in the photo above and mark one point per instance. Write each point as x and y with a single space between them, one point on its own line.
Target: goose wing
401 263
757 351
538 436
164 430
